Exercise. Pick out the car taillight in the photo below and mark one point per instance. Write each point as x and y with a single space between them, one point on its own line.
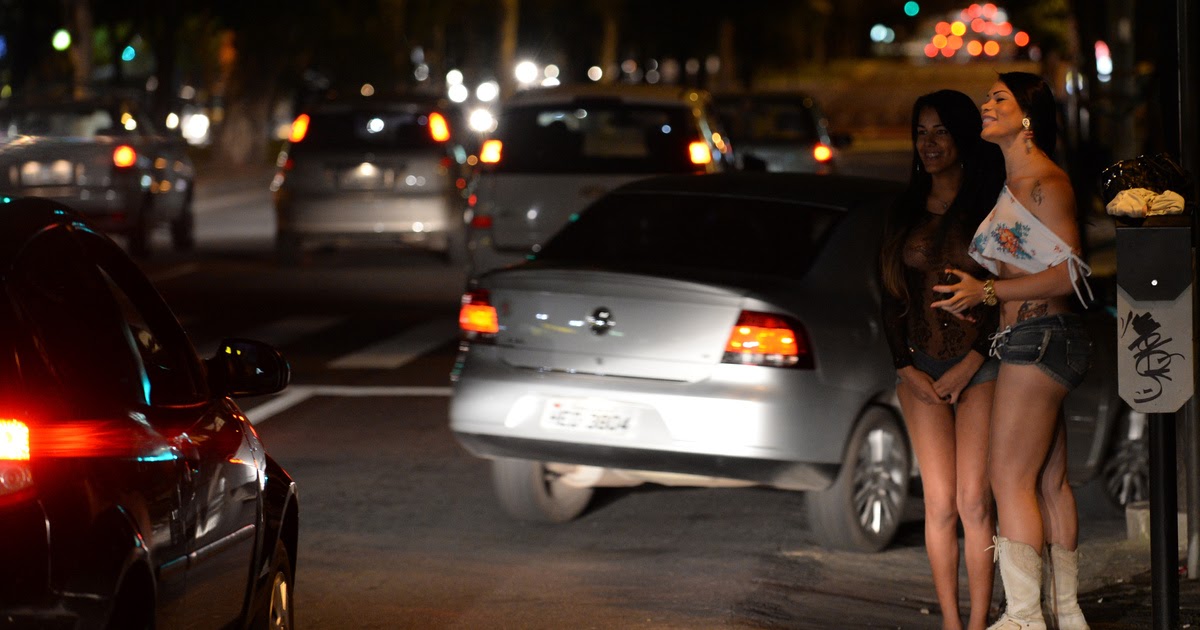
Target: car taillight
489 153
699 152
299 128
477 317
124 156
438 129
481 221
768 340
15 475
822 153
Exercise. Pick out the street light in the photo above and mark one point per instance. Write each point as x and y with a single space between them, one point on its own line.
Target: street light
526 72
61 39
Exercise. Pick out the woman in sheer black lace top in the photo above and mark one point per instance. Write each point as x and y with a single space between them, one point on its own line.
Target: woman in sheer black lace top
945 377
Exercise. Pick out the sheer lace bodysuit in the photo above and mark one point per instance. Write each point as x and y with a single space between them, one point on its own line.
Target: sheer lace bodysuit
912 325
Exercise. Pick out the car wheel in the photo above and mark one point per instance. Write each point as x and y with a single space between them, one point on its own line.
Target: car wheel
1124 475
862 510
277 612
288 248
183 228
530 491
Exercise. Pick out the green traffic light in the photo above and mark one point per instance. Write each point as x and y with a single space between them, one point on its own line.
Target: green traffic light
911 9
61 39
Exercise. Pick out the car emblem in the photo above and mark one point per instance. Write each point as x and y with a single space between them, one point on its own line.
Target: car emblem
601 320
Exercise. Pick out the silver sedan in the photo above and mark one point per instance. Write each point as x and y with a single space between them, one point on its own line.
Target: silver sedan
708 330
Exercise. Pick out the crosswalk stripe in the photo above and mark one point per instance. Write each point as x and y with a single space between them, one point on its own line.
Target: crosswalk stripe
398 350
277 333
296 394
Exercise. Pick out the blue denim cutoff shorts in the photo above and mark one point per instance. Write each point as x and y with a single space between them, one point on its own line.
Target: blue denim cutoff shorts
1058 344
936 368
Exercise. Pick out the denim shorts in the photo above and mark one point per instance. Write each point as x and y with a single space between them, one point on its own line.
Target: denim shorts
1058 344
936 368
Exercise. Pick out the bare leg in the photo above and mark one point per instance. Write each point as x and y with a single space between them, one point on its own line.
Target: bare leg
1057 498
931 429
1024 419
975 498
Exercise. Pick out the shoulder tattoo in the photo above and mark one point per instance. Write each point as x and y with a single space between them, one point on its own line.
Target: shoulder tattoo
1029 310
1037 192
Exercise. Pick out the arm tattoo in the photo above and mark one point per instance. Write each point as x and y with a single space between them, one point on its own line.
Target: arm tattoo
1037 192
1029 310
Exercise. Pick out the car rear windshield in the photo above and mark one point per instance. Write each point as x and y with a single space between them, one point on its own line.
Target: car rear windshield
381 129
694 232
606 136
774 121
71 123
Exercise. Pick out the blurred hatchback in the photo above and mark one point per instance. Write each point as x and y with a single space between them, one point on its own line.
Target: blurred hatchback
780 131
707 331
372 172
133 491
556 150
105 158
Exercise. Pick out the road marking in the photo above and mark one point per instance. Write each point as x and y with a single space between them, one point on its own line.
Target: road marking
403 348
173 272
297 394
277 333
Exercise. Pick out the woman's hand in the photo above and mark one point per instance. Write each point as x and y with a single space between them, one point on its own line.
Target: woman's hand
966 293
921 385
950 386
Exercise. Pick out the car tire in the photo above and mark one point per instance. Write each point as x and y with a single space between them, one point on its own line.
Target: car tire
863 508
529 491
277 612
288 248
183 228
1124 475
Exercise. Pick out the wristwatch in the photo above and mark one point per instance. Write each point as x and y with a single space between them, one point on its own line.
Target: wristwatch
989 292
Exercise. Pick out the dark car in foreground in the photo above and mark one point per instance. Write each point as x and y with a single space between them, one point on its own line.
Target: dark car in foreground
709 330
107 160
133 491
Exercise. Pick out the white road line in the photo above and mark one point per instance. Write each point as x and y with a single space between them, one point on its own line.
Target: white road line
277 333
173 272
401 349
297 394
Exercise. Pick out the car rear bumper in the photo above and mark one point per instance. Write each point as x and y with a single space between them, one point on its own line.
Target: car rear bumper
365 215
775 426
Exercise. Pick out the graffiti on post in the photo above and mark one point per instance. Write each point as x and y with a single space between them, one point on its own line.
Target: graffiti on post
1151 356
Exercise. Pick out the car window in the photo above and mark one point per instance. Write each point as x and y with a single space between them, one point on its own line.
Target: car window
782 122
596 137
77 336
694 232
73 123
368 129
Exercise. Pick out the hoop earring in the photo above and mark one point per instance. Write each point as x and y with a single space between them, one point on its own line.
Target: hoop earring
1028 134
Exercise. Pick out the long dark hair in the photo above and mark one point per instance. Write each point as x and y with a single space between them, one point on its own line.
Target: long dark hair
983 176
1035 98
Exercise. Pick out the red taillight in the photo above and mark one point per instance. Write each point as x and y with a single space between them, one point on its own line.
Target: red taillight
699 152
768 340
124 156
822 153
477 315
438 129
14 440
481 221
489 153
299 128
289 164
16 478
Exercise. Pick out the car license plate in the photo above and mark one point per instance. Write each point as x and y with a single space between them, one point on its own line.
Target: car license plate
588 416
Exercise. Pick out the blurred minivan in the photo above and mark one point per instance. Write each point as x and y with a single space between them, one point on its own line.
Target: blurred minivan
375 171
555 150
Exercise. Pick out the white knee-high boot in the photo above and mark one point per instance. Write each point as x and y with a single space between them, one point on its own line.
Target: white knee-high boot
1021 574
1061 603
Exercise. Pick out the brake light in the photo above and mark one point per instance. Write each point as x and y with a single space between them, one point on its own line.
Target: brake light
16 477
477 317
768 340
481 221
299 128
124 156
822 153
14 440
490 152
699 152
438 127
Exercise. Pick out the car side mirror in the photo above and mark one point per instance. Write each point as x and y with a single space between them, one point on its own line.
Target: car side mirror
244 367
753 163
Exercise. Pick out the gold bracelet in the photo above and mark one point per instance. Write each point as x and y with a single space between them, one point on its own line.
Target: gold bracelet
989 292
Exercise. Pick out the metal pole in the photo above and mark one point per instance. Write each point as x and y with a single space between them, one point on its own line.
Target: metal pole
1188 159
1164 524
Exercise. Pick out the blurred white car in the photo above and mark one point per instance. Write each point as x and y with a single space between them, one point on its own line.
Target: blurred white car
556 150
